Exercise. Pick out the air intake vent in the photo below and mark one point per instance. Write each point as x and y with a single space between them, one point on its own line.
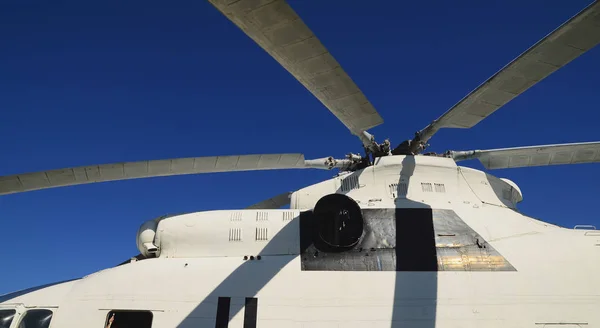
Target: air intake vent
288 216
507 194
426 186
514 195
349 183
262 216
510 195
399 190
439 187
235 234
262 234
403 189
236 217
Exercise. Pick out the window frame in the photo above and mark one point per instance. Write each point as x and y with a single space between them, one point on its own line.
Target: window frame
26 310
109 312
15 314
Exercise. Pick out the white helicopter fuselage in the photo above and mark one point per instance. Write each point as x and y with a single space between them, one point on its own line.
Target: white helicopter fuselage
443 246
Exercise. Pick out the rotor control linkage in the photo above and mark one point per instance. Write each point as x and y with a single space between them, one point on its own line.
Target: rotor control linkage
411 147
374 148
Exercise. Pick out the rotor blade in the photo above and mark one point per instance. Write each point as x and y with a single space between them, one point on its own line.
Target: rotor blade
277 29
573 153
147 169
576 36
273 202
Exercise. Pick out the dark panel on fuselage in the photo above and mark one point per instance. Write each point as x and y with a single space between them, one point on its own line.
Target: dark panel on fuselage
223 306
403 239
250 312
415 240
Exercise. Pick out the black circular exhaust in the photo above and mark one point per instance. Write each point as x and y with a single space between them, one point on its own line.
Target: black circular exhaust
339 222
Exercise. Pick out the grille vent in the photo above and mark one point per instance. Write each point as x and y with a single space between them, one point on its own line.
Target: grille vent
236 217
426 186
288 216
262 234
399 190
262 216
439 187
349 183
235 234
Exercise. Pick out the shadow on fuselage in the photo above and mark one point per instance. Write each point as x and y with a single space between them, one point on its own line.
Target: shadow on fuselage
416 285
412 257
245 281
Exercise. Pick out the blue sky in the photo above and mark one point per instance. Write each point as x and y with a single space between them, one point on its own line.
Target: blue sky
101 82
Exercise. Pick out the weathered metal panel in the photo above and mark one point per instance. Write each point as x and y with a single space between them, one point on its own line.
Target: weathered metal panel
415 239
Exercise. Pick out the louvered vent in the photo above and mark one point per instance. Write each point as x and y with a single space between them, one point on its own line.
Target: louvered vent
262 216
426 186
394 190
399 190
235 234
403 189
349 183
262 234
236 217
288 216
439 187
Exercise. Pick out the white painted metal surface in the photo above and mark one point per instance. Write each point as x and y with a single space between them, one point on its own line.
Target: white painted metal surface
490 265
158 168
202 255
146 169
277 29
560 154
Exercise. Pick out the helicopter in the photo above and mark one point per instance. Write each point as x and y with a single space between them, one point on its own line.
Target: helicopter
398 237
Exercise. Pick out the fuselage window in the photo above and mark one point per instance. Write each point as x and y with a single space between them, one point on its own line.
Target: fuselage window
128 319
36 318
6 318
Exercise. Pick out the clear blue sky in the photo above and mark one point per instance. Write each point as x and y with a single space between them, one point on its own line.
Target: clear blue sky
88 83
